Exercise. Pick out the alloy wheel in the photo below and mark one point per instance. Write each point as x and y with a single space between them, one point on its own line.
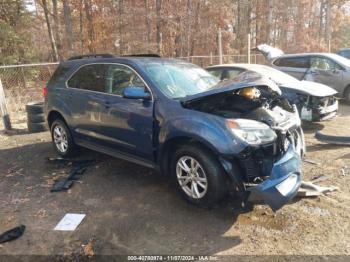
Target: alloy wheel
60 138
191 177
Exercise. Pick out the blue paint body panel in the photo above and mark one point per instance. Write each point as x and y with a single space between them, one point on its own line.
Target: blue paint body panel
143 127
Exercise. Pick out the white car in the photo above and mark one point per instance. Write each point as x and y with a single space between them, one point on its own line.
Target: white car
315 101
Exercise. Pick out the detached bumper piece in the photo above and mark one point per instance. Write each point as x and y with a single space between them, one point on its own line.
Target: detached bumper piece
337 140
283 182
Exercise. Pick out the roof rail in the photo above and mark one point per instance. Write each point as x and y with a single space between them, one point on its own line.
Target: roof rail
144 55
91 56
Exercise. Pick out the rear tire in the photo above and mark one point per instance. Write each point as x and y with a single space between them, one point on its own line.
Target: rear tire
62 139
198 175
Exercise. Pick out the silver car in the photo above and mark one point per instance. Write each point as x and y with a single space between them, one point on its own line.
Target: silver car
315 101
326 68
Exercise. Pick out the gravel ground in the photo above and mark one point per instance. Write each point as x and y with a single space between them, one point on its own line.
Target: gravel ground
133 210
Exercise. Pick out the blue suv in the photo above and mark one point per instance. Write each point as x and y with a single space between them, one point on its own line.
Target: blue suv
212 138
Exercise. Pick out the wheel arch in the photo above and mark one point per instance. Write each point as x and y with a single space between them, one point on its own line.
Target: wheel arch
164 155
53 115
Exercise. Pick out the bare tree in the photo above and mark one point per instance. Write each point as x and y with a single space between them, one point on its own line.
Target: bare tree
56 29
49 29
90 24
68 24
148 25
159 26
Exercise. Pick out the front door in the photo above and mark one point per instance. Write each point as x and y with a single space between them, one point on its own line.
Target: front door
126 124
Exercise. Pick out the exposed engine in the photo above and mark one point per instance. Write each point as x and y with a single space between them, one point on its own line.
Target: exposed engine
260 104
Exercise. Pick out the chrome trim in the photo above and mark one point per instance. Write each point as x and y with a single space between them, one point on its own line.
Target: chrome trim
146 85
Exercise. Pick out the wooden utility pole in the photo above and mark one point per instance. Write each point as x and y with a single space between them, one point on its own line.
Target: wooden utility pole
3 109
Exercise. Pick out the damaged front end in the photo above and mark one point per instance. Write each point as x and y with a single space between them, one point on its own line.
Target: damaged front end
319 108
269 166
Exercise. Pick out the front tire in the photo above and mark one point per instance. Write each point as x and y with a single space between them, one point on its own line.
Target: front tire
198 175
62 139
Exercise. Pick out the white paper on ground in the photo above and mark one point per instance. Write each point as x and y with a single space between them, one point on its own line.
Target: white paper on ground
70 222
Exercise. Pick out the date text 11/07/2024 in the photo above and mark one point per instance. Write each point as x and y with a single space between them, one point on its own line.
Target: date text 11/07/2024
172 258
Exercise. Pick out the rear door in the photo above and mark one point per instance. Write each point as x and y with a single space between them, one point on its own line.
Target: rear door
86 87
296 66
326 71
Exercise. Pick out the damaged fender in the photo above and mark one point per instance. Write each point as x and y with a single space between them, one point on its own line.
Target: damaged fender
283 183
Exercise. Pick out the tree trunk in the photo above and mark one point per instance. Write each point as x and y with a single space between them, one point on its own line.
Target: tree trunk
120 14
158 26
68 24
148 25
56 29
81 27
49 29
91 32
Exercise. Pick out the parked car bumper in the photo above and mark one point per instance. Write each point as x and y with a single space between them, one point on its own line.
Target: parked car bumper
283 182
320 112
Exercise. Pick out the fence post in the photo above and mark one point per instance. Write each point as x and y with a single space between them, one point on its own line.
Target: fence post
23 78
3 109
220 46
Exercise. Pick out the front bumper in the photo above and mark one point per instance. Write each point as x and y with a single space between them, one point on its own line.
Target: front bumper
320 113
282 184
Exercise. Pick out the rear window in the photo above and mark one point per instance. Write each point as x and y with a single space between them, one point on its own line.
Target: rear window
298 62
59 75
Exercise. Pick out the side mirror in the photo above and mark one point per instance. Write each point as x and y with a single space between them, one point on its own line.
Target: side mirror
135 92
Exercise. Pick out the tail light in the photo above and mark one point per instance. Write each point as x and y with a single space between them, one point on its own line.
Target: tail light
45 91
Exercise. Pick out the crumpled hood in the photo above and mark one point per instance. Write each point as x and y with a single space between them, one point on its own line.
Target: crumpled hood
311 88
246 79
268 51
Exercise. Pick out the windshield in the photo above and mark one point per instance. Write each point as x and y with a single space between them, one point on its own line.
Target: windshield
180 80
275 75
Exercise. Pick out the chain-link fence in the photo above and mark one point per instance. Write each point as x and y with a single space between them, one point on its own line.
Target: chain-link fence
24 83
205 61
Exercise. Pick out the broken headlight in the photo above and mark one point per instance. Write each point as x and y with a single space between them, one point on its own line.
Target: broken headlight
250 131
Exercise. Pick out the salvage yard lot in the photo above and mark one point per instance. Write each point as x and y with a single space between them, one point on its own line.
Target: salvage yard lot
133 210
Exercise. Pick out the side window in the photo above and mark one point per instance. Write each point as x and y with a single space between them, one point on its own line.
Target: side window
89 77
297 62
322 63
232 73
119 77
217 72
345 53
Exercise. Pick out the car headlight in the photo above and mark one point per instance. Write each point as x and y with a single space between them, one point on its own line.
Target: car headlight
252 132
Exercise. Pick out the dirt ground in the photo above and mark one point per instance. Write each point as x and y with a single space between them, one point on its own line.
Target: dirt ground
132 210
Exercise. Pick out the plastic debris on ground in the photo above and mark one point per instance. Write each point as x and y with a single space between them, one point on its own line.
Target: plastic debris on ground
70 222
12 234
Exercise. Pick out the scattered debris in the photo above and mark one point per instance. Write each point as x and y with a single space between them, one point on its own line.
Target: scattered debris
12 234
308 189
89 249
320 178
311 161
344 171
77 170
336 140
70 222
